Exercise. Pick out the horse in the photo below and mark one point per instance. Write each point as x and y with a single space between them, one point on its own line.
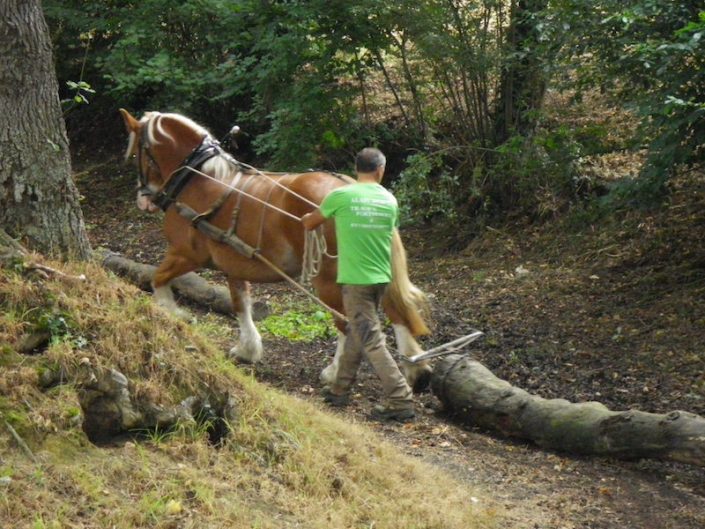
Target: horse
181 168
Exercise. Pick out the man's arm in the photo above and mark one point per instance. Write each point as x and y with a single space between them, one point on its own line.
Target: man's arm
312 220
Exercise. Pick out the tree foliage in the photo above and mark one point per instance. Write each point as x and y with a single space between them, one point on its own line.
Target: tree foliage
454 86
649 55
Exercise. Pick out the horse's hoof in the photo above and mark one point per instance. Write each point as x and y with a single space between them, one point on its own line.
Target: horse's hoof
178 313
423 383
237 358
238 361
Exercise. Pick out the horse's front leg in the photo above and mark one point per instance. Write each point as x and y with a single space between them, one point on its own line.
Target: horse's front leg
173 266
249 348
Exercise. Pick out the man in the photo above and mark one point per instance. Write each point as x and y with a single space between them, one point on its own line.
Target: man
365 214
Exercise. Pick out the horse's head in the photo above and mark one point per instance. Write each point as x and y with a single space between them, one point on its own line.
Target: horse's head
159 143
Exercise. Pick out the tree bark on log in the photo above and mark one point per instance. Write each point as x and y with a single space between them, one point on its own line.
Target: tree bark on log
9 247
479 397
190 286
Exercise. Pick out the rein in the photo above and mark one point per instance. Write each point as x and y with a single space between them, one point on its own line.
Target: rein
315 245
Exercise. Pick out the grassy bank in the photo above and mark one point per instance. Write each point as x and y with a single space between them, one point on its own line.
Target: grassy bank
286 462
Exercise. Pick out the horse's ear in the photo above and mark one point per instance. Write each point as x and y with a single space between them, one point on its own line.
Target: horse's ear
131 124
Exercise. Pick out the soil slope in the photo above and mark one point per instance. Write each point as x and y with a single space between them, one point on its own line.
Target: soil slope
608 309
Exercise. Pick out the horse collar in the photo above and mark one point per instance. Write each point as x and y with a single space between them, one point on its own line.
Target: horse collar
207 149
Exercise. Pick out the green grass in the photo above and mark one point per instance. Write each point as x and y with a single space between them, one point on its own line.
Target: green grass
301 324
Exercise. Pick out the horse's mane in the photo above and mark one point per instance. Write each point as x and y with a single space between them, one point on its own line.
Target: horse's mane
222 167
153 121
219 167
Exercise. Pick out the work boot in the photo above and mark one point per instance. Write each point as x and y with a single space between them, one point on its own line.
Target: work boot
334 399
390 413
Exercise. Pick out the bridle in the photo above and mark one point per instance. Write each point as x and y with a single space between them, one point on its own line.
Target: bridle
177 180
143 188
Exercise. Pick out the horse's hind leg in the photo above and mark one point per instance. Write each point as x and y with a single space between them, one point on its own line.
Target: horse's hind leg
417 375
249 348
173 266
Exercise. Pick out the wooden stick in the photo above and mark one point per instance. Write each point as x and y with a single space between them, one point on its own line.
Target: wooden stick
21 442
53 271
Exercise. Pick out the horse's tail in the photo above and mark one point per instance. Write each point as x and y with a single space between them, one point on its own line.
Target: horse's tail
410 303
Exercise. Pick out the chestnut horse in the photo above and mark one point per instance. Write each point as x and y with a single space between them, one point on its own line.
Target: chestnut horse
180 164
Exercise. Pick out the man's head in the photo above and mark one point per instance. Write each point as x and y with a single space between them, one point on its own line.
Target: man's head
370 161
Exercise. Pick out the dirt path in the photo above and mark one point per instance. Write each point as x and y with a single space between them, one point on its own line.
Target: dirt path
534 488
628 332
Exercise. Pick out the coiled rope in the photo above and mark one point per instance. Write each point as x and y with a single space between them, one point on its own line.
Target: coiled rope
315 247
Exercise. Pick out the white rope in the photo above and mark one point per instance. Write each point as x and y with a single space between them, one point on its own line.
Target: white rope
315 246
246 194
275 182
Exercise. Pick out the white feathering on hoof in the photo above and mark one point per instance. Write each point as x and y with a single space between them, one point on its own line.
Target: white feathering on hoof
330 372
249 348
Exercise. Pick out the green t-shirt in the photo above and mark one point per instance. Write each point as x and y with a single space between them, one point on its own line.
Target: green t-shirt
365 217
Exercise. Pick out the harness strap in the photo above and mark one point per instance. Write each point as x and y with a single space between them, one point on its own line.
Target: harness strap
143 187
236 209
248 251
214 232
265 207
215 207
182 176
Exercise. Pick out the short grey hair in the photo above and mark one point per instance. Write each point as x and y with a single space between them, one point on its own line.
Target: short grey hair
369 159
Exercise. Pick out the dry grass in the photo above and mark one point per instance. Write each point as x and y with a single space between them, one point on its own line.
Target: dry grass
287 463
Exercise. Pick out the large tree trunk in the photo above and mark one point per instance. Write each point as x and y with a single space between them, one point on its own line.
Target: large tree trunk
523 82
479 397
39 203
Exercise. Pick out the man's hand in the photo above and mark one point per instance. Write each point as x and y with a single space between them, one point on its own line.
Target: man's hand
312 220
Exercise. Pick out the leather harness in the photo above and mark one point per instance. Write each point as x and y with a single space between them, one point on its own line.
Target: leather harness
206 150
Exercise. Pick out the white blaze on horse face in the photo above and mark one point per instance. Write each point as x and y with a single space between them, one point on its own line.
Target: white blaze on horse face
330 373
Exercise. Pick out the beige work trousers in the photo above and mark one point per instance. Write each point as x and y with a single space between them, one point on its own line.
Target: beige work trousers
364 336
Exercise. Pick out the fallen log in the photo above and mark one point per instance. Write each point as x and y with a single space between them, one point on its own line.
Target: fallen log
471 390
190 286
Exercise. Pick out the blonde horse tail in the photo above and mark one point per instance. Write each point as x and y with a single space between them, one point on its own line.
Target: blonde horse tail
407 300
